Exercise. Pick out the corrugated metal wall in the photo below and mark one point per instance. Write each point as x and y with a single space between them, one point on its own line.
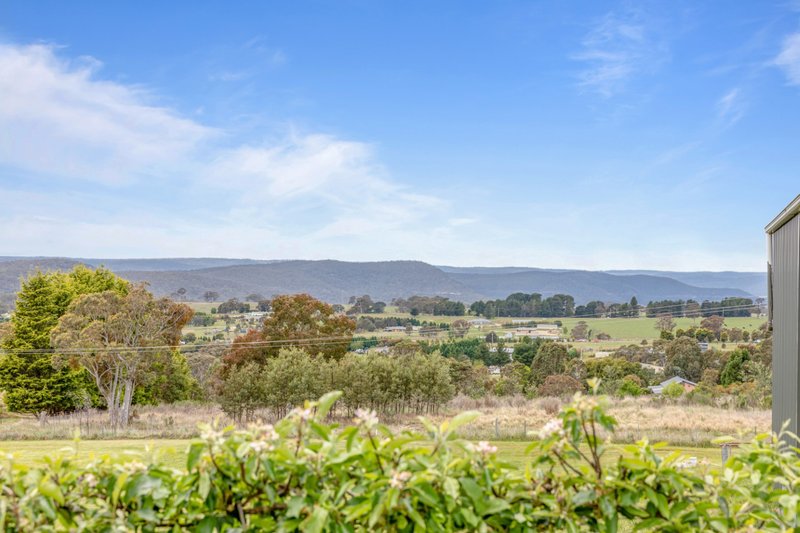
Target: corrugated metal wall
785 303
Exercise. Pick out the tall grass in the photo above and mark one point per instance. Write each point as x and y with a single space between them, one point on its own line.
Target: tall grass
506 418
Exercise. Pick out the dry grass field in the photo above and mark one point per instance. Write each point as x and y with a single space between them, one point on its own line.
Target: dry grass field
512 418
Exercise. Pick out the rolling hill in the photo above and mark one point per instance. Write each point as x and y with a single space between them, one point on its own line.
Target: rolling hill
336 281
587 285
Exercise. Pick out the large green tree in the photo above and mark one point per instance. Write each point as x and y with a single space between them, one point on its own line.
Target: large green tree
27 375
733 371
550 359
120 341
684 359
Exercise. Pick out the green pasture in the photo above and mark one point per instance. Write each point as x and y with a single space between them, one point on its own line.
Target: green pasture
170 452
623 331
173 452
617 328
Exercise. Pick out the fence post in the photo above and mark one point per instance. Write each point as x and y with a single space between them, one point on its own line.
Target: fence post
496 428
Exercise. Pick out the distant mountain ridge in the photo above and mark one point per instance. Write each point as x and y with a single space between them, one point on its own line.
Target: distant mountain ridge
336 281
753 283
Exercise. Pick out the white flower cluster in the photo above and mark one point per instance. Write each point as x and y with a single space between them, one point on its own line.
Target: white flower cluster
585 403
399 479
90 480
484 448
135 466
691 462
211 435
367 418
303 414
553 427
264 432
260 446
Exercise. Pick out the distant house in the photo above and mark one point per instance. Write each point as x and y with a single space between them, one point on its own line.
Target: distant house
703 346
688 386
539 331
394 328
521 320
479 322
601 355
494 370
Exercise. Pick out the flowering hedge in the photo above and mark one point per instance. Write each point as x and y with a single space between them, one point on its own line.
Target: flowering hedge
308 475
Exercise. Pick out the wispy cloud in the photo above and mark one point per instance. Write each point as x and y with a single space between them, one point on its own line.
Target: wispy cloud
789 58
137 170
730 107
618 47
67 123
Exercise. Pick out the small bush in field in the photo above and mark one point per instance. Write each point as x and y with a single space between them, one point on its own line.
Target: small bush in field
630 387
559 385
550 405
673 391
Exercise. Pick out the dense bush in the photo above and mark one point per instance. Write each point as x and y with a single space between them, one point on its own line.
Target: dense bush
303 474
413 383
559 385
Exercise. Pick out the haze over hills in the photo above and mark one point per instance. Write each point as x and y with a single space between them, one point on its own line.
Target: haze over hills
754 283
336 281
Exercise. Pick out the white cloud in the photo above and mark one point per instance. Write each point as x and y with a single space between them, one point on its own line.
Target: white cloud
730 107
123 173
615 49
789 58
61 121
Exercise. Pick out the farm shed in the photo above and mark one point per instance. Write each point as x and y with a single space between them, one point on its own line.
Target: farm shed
783 270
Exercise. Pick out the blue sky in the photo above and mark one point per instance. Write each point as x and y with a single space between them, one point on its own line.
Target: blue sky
555 134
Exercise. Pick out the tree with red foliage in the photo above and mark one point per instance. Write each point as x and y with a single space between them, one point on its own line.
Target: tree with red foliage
296 320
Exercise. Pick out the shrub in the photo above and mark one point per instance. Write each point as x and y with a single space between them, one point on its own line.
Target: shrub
303 474
559 386
629 387
673 391
550 405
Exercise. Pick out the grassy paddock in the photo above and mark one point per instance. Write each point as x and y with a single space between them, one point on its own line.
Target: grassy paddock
507 418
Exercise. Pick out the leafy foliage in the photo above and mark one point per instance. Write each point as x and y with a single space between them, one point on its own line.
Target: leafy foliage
298 320
551 359
304 474
27 374
123 341
416 383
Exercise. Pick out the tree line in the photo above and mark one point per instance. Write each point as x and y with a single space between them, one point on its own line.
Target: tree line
430 305
526 305
727 307
388 384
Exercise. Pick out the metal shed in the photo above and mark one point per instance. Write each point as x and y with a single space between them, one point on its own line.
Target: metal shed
783 241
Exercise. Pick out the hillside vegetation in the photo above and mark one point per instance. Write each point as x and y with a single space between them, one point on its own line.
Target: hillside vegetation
337 281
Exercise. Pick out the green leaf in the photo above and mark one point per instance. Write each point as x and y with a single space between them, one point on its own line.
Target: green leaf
326 402
495 506
473 490
426 494
463 419
195 452
51 490
316 522
204 485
